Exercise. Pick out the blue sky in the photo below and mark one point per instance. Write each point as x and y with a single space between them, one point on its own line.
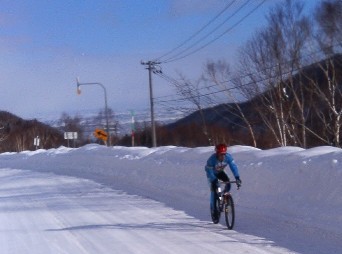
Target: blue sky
46 44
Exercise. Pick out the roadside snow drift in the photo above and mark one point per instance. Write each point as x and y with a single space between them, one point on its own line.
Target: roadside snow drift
290 200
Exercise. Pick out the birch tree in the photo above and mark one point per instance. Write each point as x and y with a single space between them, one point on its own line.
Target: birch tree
328 88
267 63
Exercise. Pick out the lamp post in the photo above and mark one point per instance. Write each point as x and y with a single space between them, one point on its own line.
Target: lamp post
105 98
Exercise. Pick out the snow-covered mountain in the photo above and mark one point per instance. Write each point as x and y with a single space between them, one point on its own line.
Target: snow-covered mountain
124 118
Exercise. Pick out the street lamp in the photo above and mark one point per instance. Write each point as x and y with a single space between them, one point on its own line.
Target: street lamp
105 98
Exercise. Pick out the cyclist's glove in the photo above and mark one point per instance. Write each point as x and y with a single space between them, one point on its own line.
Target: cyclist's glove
238 181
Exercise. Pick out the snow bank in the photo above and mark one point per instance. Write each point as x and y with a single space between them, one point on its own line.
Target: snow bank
287 184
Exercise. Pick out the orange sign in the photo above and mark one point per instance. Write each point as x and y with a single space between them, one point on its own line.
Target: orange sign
101 134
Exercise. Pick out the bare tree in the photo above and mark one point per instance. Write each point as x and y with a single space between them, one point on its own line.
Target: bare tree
219 73
326 84
191 92
4 131
328 16
72 124
268 62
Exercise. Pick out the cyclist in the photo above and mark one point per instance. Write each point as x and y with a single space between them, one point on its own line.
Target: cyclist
215 171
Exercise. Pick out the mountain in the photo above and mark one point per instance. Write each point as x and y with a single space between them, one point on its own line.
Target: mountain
90 119
17 134
303 110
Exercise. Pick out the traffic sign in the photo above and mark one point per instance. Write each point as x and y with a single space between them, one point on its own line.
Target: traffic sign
70 135
101 134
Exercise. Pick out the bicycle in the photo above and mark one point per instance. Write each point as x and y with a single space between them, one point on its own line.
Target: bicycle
224 203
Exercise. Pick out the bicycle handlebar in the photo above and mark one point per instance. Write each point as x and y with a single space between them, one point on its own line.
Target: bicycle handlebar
227 181
238 186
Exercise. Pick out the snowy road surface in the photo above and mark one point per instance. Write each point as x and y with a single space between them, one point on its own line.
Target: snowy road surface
45 213
73 201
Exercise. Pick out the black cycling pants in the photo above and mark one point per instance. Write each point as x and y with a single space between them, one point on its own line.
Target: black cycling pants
223 177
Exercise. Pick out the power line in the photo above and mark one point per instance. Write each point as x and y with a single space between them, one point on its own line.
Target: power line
232 88
198 32
218 37
200 95
176 82
208 34
151 64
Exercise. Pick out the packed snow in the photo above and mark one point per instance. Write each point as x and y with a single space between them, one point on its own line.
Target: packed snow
98 199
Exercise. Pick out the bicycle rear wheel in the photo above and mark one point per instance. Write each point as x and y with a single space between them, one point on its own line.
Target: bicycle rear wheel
229 212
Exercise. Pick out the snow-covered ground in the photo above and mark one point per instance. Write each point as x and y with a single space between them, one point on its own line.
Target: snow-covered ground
96 199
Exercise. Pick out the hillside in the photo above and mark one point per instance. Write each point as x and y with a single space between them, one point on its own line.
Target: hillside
304 110
17 134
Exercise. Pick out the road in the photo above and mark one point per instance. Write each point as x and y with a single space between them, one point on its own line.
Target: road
46 213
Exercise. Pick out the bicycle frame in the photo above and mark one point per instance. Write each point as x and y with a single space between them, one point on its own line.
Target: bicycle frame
222 182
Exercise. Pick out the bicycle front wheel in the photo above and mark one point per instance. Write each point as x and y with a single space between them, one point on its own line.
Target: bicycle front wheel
229 212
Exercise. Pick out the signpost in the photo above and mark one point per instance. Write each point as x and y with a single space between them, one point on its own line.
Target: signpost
36 142
70 135
133 127
101 134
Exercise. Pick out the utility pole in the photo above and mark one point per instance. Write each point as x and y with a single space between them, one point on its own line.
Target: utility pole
151 68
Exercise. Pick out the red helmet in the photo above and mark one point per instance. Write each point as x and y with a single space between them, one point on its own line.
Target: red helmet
221 149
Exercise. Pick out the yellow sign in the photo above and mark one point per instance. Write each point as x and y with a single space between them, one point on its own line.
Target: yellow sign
101 134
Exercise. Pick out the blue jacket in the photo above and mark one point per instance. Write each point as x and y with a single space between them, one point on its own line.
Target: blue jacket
214 166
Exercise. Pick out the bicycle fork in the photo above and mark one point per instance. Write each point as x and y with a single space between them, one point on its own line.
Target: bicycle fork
223 199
